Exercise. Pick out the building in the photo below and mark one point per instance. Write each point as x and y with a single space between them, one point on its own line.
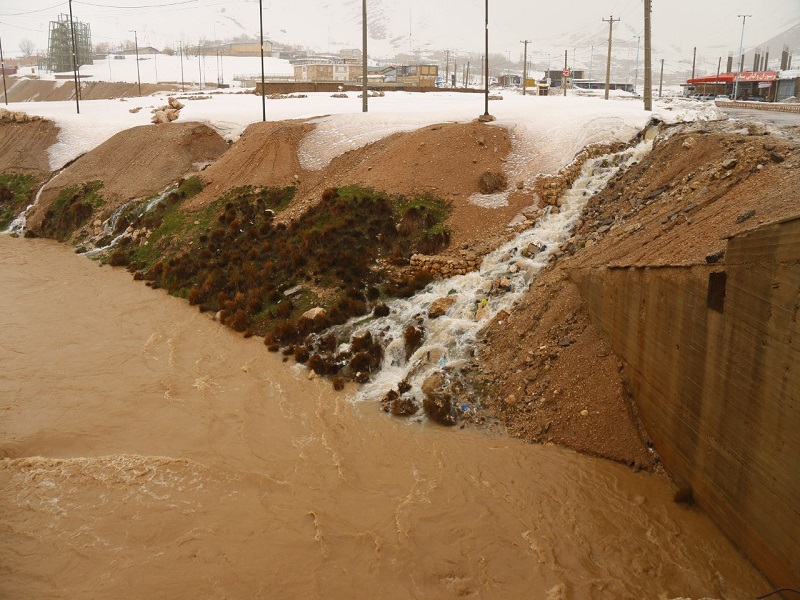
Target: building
241 49
769 86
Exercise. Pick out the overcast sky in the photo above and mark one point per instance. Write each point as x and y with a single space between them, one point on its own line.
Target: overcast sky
402 25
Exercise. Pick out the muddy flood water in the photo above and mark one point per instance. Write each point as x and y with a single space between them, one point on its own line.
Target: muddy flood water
149 452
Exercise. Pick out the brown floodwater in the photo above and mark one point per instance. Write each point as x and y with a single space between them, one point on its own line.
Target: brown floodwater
151 453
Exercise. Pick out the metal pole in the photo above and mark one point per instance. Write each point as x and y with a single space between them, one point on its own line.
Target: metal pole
741 58
183 82
661 81
486 78
364 88
3 68
564 75
648 71
263 98
136 45
75 61
716 83
636 72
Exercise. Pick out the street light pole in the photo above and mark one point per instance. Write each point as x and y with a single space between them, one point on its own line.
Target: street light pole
263 98
183 83
136 46
741 58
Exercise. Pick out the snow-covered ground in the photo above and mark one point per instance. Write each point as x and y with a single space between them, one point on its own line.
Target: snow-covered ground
547 131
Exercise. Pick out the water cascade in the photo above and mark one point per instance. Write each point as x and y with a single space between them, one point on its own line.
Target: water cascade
20 221
477 297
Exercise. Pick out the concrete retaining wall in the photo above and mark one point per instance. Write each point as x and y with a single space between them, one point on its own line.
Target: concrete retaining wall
773 106
712 356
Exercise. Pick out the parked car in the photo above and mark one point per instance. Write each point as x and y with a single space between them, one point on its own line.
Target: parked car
722 97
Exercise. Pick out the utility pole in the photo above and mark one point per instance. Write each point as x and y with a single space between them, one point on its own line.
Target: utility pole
75 61
694 60
741 58
611 22
636 72
3 68
183 83
591 59
716 83
263 85
364 89
447 68
648 73
486 116
136 46
661 81
564 75
525 66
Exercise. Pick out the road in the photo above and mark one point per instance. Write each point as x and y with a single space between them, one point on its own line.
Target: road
764 116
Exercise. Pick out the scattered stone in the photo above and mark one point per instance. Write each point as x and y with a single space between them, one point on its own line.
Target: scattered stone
775 157
565 342
584 413
715 257
748 214
293 291
729 163
440 305
689 143
438 403
511 400
491 182
402 406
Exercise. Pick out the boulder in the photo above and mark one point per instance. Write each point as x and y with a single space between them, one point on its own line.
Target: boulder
402 406
440 305
315 313
438 402
491 182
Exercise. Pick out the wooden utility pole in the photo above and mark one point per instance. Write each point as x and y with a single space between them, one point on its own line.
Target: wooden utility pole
364 89
648 71
447 68
694 60
263 86
564 75
611 22
661 81
525 66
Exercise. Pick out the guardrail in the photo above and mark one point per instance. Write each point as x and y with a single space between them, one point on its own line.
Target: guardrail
773 106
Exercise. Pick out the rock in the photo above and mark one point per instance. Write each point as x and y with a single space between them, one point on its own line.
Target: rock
501 284
482 312
491 182
293 291
584 413
565 342
729 163
689 143
315 313
511 400
403 406
715 257
440 305
748 214
438 403
775 157
175 104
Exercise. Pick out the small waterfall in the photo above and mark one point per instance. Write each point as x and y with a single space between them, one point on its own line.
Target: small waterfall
20 221
504 277
110 225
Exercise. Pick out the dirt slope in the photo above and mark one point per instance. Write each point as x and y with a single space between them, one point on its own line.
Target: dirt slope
445 161
34 90
23 147
545 363
137 163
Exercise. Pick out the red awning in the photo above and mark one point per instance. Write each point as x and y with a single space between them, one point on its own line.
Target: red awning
723 78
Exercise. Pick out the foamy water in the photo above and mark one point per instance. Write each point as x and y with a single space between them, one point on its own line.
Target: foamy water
151 452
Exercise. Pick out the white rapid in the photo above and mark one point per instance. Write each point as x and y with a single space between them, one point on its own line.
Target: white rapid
20 221
503 278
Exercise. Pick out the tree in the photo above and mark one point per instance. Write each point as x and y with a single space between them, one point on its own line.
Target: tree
102 48
27 47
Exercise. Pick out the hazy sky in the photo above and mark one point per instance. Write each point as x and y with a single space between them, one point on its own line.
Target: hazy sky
402 25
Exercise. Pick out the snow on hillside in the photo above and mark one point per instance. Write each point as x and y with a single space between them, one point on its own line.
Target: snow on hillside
547 131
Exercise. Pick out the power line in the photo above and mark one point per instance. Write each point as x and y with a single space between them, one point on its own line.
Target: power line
30 12
136 6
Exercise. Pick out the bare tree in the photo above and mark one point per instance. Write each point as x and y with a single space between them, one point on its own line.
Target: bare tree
27 47
102 48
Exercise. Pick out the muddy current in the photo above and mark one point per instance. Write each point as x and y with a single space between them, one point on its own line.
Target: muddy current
151 453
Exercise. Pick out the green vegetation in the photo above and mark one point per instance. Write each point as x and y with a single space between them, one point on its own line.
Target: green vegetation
16 192
231 257
72 209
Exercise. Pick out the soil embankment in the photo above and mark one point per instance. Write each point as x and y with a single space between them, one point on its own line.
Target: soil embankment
135 163
23 147
34 90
